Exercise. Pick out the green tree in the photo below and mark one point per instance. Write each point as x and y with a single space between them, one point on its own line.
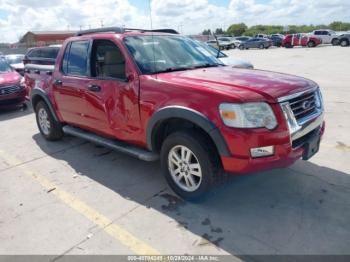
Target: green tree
219 31
237 29
206 32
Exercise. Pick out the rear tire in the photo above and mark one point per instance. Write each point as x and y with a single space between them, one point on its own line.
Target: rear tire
190 164
335 42
241 47
48 126
261 46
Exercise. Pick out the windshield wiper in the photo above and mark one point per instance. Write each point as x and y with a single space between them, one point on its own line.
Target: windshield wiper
173 69
206 65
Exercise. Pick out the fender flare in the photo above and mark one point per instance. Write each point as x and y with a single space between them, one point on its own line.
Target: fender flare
191 115
41 94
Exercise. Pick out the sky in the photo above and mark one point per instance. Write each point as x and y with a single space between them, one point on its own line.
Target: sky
188 16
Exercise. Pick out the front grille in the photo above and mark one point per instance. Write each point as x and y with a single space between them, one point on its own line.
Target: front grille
303 105
7 90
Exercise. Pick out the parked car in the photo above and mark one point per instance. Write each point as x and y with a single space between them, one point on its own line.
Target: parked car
41 55
243 38
177 104
292 40
16 62
231 42
276 39
256 43
225 59
12 90
261 36
327 36
219 44
344 39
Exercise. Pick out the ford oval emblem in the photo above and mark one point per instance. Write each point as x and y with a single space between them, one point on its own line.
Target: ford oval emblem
306 105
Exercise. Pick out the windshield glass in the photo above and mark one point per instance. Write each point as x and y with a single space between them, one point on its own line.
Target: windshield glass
155 54
213 51
14 59
4 67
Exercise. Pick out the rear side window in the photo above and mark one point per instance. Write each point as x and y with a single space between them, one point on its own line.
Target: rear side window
49 53
34 53
75 61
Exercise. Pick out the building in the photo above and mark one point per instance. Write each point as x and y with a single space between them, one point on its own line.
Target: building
42 38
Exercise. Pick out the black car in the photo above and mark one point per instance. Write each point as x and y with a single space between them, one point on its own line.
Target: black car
41 55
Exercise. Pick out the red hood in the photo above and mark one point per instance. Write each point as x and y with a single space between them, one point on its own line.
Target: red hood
229 80
9 78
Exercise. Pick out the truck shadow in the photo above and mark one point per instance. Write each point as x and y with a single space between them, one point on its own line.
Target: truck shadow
303 209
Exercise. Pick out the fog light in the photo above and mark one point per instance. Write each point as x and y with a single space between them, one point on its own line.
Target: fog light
262 151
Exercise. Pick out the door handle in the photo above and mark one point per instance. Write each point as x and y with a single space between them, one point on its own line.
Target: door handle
57 82
94 88
36 71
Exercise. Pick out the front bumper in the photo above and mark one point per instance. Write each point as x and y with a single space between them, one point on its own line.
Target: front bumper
13 98
290 142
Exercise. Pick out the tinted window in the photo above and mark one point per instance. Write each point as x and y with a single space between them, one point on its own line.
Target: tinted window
34 53
107 60
49 53
77 59
64 67
318 32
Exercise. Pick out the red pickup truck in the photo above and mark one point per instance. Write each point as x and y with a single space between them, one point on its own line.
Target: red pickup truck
292 40
156 94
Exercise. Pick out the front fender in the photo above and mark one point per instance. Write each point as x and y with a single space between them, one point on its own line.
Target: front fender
191 115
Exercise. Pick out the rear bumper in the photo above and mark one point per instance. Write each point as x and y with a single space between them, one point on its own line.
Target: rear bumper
285 155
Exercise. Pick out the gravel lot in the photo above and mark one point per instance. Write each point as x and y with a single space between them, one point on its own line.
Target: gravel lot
73 197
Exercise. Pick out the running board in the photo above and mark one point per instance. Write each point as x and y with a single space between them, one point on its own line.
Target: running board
131 150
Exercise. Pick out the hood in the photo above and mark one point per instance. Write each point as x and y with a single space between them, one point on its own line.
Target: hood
237 81
9 78
236 62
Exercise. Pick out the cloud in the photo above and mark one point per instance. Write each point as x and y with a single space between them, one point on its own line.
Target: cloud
188 16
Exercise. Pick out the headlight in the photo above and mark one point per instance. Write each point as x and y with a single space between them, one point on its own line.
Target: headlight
248 115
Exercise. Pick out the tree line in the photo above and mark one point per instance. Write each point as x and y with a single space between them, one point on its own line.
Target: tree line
243 29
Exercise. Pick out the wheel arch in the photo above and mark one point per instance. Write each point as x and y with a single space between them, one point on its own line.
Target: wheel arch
162 117
38 95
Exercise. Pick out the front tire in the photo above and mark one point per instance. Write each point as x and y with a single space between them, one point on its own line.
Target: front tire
311 44
48 126
261 46
241 47
344 42
190 164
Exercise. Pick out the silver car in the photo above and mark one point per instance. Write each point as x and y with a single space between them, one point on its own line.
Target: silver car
16 62
225 59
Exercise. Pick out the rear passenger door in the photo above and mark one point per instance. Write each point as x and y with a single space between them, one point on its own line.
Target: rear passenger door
69 87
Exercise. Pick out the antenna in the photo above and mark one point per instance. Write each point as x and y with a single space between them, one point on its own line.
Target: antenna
153 47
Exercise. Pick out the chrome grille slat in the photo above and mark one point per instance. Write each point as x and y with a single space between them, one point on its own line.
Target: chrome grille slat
297 105
302 99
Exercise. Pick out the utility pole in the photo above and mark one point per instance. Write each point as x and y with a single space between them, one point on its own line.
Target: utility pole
101 22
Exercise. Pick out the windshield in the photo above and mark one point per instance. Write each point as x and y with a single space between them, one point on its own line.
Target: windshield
4 67
156 54
14 59
213 51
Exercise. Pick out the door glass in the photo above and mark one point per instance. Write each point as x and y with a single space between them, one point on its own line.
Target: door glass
77 59
107 61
